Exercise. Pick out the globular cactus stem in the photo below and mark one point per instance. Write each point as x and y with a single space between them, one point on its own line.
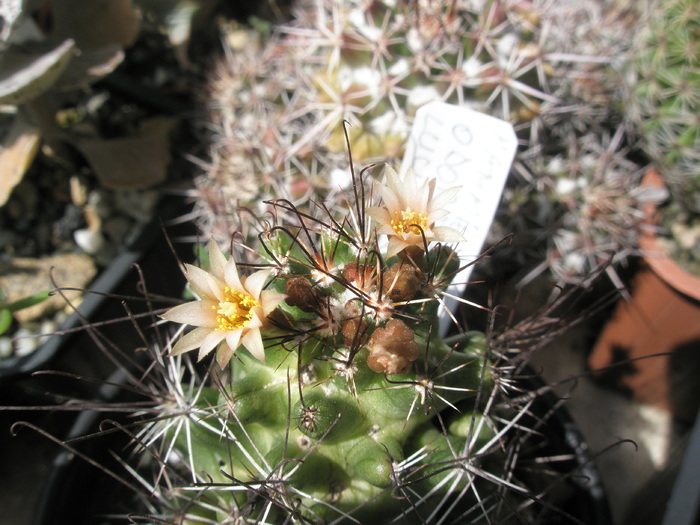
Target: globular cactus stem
343 399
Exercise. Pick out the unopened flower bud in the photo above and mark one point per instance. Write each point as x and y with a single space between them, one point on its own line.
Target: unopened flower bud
412 254
300 293
353 331
392 349
361 275
401 281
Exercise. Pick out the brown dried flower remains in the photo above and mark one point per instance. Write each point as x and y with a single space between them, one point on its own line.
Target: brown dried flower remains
392 349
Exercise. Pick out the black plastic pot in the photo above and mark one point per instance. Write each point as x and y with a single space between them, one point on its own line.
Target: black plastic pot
581 490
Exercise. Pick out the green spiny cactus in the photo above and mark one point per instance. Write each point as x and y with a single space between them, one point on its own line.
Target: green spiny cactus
591 205
337 397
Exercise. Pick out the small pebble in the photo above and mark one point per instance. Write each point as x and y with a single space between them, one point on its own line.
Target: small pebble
91 242
6 349
78 190
25 342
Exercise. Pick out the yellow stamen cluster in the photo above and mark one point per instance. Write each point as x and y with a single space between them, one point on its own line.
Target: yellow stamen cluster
234 310
408 221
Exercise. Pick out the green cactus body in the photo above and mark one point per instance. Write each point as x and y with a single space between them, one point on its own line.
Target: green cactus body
334 430
355 401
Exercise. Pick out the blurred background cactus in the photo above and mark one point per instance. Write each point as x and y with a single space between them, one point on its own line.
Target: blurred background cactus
556 70
278 100
664 103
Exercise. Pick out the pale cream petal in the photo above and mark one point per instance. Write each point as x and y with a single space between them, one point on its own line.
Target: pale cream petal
217 288
195 313
396 244
417 198
379 214
231 276
447 234
392 201
409 186
199 280
393 182
254 283
257 320
217 260
422 196
440 200
436 215
223 356
233 340
252 340
269 300
190 341
387 230
210 342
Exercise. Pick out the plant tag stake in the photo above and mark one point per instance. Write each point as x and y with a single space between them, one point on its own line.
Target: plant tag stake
461 147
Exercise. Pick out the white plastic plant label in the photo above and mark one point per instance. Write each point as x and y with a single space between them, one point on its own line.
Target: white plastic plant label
462 147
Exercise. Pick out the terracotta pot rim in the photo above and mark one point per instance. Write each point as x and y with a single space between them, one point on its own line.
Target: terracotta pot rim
664 266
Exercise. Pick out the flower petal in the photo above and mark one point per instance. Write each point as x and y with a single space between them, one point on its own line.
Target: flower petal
233 340
269 300
447 234
252 340
436 215
393 181
395 245
439 201
421 198
392 200
217 260
254 283
210 342
231 276
195 313
379 214
200 280
224 355
189 341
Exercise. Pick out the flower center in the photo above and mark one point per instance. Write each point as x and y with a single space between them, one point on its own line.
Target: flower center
234 310
408 221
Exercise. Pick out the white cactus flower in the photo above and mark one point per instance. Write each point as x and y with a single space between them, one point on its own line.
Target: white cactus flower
410 211
229 312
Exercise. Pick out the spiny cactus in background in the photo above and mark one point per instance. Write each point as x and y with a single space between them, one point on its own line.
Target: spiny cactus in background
664 101
277 104
665 94
589 208
342 401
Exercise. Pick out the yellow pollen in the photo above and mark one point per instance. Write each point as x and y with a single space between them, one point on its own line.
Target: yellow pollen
408 221
234 310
